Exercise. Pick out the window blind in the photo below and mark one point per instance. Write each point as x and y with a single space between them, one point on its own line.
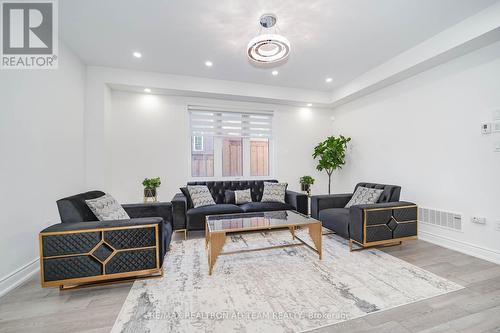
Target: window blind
218 122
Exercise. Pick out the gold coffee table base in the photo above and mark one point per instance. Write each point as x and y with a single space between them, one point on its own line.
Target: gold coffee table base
215 240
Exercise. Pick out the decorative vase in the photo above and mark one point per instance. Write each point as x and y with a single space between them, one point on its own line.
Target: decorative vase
150 194
305 187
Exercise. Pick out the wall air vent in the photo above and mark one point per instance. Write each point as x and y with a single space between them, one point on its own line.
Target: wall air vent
444 219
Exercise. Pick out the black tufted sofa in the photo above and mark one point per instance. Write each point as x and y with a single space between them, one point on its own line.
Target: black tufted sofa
389 220
188 218
83 250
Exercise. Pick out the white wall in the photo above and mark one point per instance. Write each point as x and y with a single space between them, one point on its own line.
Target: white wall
149 136
42 157
424 134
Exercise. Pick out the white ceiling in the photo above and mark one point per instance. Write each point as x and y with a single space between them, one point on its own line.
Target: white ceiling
330 38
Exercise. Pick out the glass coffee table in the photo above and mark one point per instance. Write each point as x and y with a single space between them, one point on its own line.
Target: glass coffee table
217 226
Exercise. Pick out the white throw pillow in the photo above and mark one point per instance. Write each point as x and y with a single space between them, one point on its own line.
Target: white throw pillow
274 192
242 196
106 208
200 196
364 196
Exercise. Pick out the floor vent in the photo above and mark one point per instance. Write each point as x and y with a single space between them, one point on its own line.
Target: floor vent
440 218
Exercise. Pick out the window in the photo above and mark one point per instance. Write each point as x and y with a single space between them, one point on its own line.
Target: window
232 157
230 144
198 143
259 157
202 161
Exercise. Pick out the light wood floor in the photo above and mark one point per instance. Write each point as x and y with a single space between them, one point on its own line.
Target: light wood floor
474 309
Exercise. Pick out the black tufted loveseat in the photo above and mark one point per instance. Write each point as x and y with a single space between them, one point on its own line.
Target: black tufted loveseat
188 218
387 221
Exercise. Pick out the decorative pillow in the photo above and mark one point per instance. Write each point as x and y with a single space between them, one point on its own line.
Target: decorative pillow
200 196
106 208
229 197
242 196
364 196
274 192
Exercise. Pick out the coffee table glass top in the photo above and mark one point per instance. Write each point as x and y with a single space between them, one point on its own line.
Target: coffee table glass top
255 221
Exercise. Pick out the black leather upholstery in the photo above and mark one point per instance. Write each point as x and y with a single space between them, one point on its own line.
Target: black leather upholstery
196 216
74 209
331 211
154 209
320 202
391 192
336 219
251 207
183 218
76 215
381 218
218 188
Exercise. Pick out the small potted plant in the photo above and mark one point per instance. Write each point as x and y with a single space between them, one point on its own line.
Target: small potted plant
306 182
150 186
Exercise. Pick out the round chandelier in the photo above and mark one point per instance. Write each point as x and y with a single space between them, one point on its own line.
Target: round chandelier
268 47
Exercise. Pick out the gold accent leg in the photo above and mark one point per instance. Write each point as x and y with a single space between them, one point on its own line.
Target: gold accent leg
315 233
206 235
292 230
216 243
182 230
350 245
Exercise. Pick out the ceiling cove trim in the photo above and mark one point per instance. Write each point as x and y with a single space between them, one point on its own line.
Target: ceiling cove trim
464 37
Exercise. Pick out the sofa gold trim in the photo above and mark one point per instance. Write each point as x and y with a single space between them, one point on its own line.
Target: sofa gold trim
88 281
387 242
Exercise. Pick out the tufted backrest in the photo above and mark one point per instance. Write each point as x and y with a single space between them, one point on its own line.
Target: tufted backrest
74 209
391 192
218 188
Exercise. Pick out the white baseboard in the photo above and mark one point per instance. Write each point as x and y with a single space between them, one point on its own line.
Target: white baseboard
460 246
17 277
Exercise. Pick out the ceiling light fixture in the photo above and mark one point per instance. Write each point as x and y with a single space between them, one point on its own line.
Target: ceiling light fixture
137 54
147 90
274 73
328 80
268 47
208 63
309 104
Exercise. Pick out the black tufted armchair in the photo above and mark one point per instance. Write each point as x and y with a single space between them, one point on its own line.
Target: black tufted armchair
185 217
387 221
83 250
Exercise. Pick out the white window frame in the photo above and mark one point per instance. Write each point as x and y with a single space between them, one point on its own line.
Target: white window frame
217 148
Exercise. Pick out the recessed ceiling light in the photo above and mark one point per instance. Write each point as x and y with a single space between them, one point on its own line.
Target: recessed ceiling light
274 73
208 63
137 54
309 104
147 90
328 80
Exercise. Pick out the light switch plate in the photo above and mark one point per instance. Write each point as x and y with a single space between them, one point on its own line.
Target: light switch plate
486 128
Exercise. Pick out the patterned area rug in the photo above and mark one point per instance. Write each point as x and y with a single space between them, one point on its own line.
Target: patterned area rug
279 290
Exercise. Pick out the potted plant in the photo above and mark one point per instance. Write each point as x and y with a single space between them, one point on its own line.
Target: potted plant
331 155
150 186
306 182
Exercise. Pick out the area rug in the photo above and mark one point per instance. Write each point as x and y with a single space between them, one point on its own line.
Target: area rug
279 290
